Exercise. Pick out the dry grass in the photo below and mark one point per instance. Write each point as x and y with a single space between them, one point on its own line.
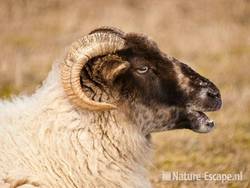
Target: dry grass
212 36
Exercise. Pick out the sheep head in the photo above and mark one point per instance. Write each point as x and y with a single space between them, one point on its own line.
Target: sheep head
109 68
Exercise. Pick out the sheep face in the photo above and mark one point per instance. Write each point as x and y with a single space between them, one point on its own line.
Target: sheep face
164 93
154 91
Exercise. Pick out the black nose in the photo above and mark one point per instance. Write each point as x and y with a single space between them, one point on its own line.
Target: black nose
215 99
210 124
213 93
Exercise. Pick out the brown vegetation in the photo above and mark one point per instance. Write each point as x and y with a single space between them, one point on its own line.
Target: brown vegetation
211 36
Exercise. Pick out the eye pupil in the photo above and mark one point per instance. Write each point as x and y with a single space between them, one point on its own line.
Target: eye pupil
142 70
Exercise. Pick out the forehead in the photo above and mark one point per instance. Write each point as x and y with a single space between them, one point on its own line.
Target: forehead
142 46
140 61
149 56
142 51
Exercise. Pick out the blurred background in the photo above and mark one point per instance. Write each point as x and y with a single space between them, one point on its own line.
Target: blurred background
213 37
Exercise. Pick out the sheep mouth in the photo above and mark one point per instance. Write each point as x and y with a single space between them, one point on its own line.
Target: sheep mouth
198 121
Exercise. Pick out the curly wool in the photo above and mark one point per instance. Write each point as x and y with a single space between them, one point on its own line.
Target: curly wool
46 142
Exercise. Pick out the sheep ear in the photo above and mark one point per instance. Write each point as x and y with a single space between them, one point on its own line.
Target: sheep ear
113 66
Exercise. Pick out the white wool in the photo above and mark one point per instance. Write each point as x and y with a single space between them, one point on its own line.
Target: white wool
47 142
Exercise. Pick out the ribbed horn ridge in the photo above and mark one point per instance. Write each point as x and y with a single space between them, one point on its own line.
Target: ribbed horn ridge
88 47
108 29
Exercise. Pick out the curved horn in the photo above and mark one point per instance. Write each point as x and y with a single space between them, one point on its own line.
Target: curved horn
107 29
93 45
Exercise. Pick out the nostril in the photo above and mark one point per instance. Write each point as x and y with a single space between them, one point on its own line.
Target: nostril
210 124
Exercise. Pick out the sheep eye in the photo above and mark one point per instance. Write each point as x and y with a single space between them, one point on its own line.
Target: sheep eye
142 70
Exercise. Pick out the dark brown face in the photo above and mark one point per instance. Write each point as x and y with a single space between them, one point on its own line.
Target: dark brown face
164 93
158 92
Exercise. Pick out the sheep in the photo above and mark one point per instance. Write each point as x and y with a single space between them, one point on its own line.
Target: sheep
90 123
